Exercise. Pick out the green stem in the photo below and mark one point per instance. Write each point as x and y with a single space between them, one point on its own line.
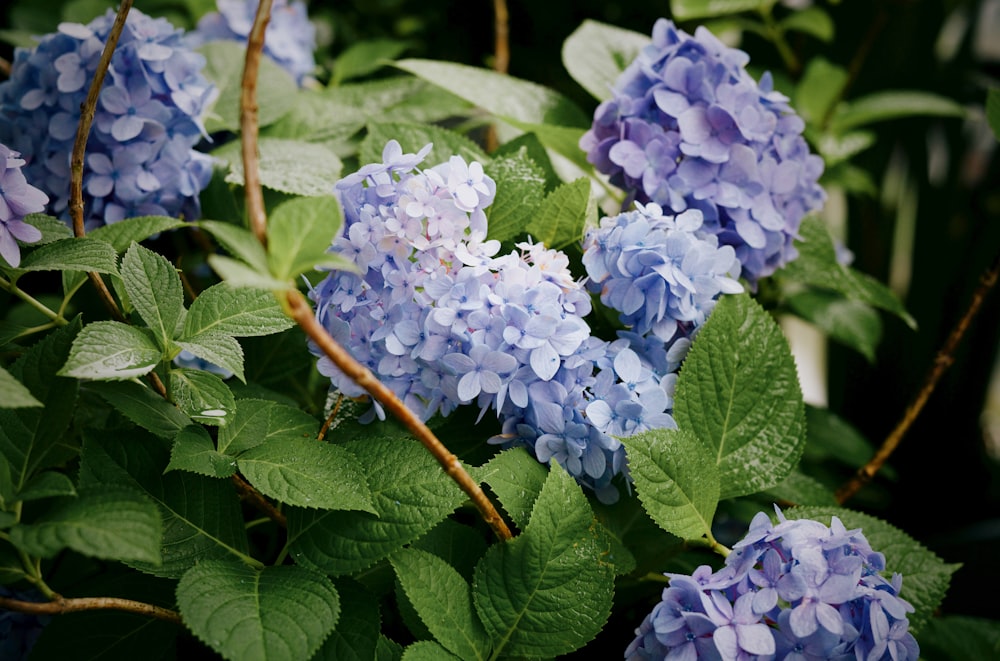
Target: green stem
777 36
33 302
711 544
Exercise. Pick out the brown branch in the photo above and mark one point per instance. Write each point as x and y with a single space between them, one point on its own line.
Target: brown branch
249 124
302 313
501 37
5 67
80 147
254 497
62 605
942 361
330 418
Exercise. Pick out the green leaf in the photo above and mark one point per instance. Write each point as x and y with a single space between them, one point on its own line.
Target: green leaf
143 407
676 479
288 166
685 10
564 140
426 650
811 20
194 451
739 392
283 612
307 473
546 592
13 394
836 148
817 265
221 350
848 321
201 516
155 290
299 233
235 311
535 151
443 601
956 637
993 110
47 484
821 86
357 633
238 241
520 191
34 438
238 274
596 54
411 495
516 478
258 421
276 90
108 522
501 95
831 438
412 137
202 396
83 254
561 217
925 576
388 650
459 545
124 232
365 57
53 229
801 489
882 106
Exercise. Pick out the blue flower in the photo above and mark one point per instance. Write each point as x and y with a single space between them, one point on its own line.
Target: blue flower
688 128
140 157
18 198
797 590
289 39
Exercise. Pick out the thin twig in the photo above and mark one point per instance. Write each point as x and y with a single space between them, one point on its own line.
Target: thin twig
5 67
302 313
249 124
329 419
944 359
87 111
248 493
501 57
62 605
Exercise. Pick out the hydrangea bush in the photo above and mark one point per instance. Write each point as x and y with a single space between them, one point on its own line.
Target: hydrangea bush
381 392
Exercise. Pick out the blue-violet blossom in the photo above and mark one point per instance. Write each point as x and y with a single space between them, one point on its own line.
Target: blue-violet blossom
794 591
18 198
289 40
140 158
688 128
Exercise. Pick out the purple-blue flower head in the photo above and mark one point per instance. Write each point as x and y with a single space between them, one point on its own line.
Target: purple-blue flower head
688 128
18 198
797 590
140 155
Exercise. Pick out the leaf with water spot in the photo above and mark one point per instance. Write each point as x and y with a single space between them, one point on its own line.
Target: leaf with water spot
202 395
110 350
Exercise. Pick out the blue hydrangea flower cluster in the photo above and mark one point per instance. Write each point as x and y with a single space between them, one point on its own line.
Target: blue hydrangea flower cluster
689 128
443 320
18 198
140 158
289 40
794 591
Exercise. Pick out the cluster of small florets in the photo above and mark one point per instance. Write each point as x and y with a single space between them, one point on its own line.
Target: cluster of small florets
140 158
689 128
289 40
443 320
794 591
18 198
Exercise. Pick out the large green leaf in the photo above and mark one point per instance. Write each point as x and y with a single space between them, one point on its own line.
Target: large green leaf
122 233
427 650
820 87
276 613
357 633
893 104
411 495
365 57
288 166
201 516
276 90
561 217
202 396
193 450
516 478
143 407
546 592
846 320
47 484
104 521
33 438
258 421
52 229
299 233
13 394
738 391
307 473
503 96
520 190
676 478
83 254
239 242
595 54
241 312
155 290
686 10
219 349
111 350
925 575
